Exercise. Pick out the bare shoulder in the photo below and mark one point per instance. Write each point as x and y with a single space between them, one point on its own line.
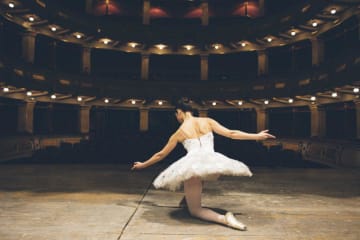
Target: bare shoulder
177 136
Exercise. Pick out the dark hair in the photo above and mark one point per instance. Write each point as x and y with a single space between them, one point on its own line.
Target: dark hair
184 105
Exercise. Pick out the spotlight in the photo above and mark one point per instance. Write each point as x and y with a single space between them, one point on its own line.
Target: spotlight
106 100
293 33
29 93
160 102
31 19
356 90
133 102
269 39
6 89
161 46
314 24
266 102
312 98
214 103
79 99
11 5
333 11
240 103
54 29
334 94
53 96
291 100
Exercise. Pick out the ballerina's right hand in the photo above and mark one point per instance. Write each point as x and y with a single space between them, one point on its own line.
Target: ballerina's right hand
137 166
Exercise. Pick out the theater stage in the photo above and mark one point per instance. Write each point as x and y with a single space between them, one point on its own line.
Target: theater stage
110 202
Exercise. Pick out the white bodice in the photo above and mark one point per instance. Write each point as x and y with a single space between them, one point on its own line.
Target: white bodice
203 143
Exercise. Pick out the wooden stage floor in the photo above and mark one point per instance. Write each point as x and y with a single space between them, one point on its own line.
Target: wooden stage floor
104 202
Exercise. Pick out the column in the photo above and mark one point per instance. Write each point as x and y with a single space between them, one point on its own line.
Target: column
89 6
263 63
26 117
205 13
86 60
357 109
261 119
317 51
84 119
262 7
144 119
203 112
28 46
204 65
145 58
146 12
318 121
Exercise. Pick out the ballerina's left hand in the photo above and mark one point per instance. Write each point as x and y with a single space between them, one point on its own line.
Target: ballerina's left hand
138 165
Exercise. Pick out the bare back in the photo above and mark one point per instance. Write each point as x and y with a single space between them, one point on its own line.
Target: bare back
195 127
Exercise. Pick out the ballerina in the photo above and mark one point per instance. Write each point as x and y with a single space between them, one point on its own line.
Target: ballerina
201 161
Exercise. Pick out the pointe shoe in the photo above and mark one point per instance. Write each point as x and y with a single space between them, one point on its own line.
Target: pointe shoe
183 203
231 221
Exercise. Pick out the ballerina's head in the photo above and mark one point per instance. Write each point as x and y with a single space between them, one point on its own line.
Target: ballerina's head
183 109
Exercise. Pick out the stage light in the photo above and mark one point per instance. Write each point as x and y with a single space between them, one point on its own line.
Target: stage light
243 44
106 41
78 36
54 29
334 94
133 102
188 47
216 46
29 93
269 39
79 99
160 102
291 100
314 24
133 44
293 33
356 90
106 100
5 89
214 103
240 103
333 11
312 98
11 5
161 46
53 96
31 19
266 102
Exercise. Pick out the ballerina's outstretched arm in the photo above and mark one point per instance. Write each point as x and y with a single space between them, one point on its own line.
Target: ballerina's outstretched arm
237 134
170 145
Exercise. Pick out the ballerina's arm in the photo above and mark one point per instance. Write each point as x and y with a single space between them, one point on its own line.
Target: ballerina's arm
237 134
170 145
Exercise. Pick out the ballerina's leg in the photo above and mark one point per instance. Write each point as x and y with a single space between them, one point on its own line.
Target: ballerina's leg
193 189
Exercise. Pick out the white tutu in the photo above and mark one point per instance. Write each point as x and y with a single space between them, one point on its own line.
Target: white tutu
200 161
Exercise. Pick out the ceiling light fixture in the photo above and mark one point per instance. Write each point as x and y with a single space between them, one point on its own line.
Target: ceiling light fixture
266 102
54 29
240 103
79 99
269 39
333 11
293 33
243 44
133 102
334 94
6 89
312 98
29 93
291 100
11 5
106 100
314 24
160 102
214 103
53 96
356 90
31 19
